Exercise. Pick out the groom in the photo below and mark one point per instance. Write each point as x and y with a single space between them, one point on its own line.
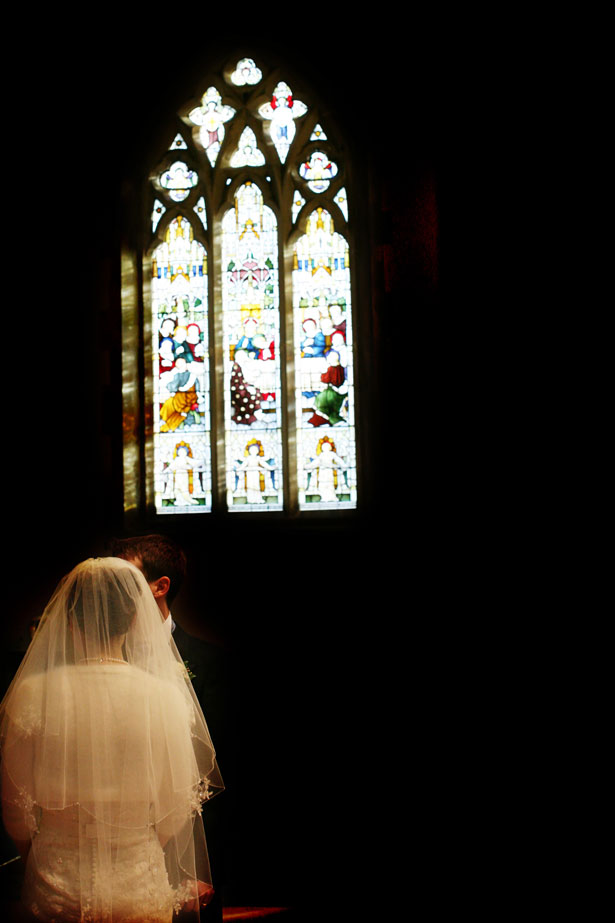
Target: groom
164 565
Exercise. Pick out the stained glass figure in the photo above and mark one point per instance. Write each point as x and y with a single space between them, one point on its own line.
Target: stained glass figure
298 203
247 153
254 475
178 180
251 331
324 363
281 112
246 73
180 365
178 143
210 116
201 211
341 200
186 469
157 212
318 171
328 467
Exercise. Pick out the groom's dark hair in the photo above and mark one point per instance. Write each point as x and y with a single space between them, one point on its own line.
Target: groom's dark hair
160 556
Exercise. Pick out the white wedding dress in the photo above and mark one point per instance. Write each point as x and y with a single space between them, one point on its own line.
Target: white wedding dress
66 880
101 854
106 757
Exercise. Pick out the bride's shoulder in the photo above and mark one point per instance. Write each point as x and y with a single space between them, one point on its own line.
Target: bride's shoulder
25 702
37 683
159 686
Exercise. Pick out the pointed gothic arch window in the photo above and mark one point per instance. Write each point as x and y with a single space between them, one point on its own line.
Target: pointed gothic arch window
246 310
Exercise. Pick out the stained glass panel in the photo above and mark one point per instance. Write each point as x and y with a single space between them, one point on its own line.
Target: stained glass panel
341 200
201 211
180 366
247 153
298 203
318 134
246 73
178 180
318 171
157 212
210 116
326 454
281 112
251 336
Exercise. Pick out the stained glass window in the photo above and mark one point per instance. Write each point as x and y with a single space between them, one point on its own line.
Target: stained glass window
180 372
324 376
251 330
248 306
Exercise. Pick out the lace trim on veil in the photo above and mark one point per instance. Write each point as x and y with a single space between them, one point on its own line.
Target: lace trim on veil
200 793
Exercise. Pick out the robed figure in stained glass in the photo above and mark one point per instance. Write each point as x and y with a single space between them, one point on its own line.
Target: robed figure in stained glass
245 397
183 401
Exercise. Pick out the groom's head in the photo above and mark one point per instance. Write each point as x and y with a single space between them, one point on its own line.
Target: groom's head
160 558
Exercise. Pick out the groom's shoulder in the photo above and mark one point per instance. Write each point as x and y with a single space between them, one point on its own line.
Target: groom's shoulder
198 647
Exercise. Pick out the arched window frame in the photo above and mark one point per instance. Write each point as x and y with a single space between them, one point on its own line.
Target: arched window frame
278 182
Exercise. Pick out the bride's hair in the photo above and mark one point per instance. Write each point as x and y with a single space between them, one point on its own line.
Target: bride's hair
113 598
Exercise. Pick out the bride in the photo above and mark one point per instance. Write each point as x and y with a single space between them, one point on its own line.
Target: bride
106 758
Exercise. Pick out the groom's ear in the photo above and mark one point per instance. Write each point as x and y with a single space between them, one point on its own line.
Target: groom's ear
160 587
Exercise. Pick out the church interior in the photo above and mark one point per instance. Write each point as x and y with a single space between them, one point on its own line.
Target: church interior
307 609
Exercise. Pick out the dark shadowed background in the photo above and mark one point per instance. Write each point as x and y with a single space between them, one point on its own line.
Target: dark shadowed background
312 615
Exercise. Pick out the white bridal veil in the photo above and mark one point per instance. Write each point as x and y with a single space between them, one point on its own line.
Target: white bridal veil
106 756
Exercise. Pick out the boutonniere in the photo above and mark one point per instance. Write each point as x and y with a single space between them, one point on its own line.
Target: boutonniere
191 675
